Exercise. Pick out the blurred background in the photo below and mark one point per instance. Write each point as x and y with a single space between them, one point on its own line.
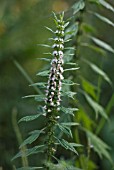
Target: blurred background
21 29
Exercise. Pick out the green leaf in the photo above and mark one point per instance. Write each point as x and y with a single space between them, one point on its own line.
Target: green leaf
49 29
71 69
40 98
44 45
69 110
34 135
69 94
44 59
78 6
99 71
89 88
66 24
69 146
96 107
99 146
104 19
29 168
71 31
41 84
30 118
27 152
65 129
102 44
106 5
71 63
95 48
88 28
43 73
70 124
68 82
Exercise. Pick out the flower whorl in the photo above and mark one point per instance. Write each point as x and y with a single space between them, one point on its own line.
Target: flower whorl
53 92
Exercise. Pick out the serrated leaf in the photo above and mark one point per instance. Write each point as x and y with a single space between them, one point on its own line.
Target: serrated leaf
71 69
41 84
69 110
69 146
96 107
34 135
29 118
102 44
44 59
78 6
49 29
68 82
99 146
27 152
70 124
69 94
40 98
99 71
43 73
29 168
106 20
65 129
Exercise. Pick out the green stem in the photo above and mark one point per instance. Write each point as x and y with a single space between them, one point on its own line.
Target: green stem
19 136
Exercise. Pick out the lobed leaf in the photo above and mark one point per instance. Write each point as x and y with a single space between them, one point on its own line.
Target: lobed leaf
27 152
99 146
66 130
69 94
34 135
68 82
30 118
69 110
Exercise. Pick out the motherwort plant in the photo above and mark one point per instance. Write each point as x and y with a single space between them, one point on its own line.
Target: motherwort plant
54 111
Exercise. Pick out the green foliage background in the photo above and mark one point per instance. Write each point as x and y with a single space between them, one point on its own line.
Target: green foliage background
21 29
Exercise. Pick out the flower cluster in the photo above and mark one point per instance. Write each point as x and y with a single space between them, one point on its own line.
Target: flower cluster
53 91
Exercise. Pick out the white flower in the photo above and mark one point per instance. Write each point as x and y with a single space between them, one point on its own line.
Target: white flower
56 39
61 77
56 32
52 93
53 88
49 110
55 53
51 104
58 109
61 46
61 69
60 53
58 103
